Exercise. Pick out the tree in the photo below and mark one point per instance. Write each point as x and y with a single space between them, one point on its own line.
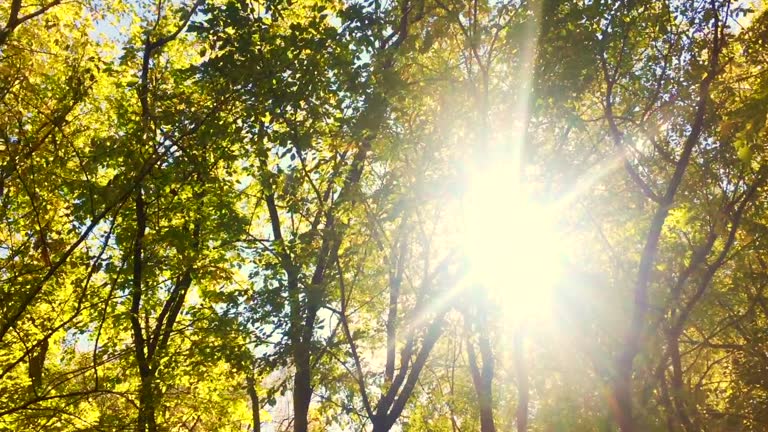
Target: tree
234 214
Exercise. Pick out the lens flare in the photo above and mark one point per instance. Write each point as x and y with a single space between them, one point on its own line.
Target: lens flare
514 248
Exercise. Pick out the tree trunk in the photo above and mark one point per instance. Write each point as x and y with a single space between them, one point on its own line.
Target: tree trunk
521 372
392 404
302 388
395 281
486 411
37 364
678 391
483 382
380 424
146 421
622 394
254 396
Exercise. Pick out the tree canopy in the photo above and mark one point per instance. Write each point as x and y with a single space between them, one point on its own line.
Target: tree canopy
365 215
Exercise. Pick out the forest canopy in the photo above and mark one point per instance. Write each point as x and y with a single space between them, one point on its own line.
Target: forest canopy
368 215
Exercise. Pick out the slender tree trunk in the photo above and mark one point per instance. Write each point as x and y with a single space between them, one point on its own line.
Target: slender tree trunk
395 281
255 406
523 392
146 421
146 418
302 380
665 399
482 377
486 411
622 393
302 388
486 402
678 390
392 404
37 364
389 368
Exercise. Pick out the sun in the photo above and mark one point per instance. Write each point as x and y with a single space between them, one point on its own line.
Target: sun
514 248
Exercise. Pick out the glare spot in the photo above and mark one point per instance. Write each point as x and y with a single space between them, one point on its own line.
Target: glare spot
514 249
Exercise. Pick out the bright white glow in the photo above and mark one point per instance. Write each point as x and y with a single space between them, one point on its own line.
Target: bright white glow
514 249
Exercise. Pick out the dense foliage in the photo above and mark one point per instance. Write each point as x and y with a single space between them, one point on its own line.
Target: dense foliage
229 215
